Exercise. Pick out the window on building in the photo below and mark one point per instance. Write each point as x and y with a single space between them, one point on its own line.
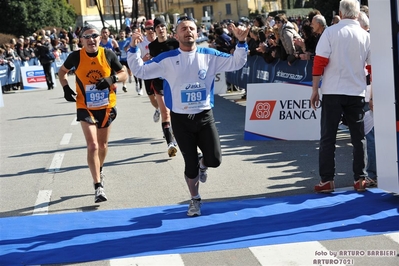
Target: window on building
209 10
189 11
90 3
228 9
108 7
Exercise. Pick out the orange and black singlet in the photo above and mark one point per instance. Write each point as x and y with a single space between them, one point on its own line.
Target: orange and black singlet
90 69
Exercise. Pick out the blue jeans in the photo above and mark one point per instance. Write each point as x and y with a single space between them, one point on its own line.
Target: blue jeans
333 106
371 159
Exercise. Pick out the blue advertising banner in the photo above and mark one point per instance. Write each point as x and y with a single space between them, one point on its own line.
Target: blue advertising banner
300 72
257 70
4 74
14 76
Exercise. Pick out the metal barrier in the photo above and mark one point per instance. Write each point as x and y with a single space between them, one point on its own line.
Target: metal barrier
256 70
10 77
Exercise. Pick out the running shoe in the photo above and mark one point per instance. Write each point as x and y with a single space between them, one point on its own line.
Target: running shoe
137 88
140 91
130 79
203 174
203 171
325 187
172 150
99 195
124 89
194 209
157 115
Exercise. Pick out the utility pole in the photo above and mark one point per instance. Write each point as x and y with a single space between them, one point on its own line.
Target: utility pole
120 14
99 11
113 13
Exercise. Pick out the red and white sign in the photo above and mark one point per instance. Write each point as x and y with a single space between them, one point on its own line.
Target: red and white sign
280 111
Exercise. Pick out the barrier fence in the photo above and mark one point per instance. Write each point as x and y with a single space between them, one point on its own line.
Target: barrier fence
257 70
10 77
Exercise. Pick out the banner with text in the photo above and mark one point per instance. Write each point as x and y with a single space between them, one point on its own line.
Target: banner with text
256 70
280 111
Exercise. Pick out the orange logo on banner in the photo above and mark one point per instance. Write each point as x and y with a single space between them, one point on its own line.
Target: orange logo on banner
262 110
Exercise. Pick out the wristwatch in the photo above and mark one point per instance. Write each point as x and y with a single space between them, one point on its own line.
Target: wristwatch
116 78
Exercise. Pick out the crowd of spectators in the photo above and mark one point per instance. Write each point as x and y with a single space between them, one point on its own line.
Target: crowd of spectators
279 37
27 49
273 38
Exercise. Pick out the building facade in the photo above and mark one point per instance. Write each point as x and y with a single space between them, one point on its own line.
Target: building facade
113 12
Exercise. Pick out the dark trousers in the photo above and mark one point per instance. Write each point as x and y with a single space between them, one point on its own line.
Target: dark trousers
333 106
47 73
192 131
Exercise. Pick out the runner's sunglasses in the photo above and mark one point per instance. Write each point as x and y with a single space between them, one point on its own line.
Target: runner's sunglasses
88 36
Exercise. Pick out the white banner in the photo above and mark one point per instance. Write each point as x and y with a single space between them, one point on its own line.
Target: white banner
220 86
280 111
33 77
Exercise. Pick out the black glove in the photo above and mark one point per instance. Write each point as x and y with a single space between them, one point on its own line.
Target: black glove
117 51
105 83
69 93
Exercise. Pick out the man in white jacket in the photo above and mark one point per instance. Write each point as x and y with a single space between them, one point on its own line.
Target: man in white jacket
188 73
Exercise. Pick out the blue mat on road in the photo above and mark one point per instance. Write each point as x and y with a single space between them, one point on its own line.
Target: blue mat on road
103 235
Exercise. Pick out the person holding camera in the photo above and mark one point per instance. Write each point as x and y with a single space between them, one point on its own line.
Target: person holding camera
270 49
97 70
46 58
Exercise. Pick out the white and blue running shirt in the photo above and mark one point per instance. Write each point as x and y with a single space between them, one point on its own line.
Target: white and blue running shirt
188 76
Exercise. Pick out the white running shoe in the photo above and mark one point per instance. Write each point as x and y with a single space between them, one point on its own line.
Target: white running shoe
99 195
203 174
137 88
202 171
140 92
172 150
157 115
194 209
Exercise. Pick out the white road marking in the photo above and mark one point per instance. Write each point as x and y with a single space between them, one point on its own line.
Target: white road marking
42 202
74 122
164 260
66 139
393 236
292 254
57 161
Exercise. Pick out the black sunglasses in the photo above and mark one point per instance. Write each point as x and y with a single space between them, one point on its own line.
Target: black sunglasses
150 28
88 36
185 18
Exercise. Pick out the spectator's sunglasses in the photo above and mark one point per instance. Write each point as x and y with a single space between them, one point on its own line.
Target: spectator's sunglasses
150 28
185 18
88 36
